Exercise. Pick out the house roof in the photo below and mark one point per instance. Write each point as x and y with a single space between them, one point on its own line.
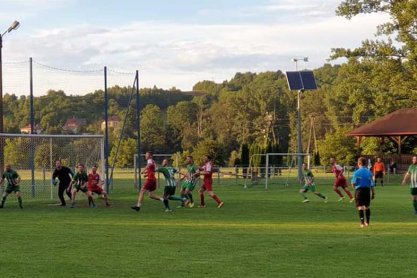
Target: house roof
402 122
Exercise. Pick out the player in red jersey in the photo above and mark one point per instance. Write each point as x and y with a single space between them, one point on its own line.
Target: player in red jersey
95 185
150 183
207 171
340 181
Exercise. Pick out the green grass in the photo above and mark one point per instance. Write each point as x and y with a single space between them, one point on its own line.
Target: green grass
258 233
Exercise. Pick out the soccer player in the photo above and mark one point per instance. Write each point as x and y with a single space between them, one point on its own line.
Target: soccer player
79 183
309 185
412 175
64 175
379 171
94 185
150 183
207 171
191 179
340 181
363 183
169 190
13 180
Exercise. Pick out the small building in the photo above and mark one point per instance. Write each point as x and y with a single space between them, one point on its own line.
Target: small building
113 122
26 129
74 126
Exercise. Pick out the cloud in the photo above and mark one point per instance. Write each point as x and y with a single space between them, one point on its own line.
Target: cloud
172 54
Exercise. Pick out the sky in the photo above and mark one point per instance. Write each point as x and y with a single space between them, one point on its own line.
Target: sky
173 43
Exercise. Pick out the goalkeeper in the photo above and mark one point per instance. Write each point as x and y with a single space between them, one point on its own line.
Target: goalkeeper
309 185
64 175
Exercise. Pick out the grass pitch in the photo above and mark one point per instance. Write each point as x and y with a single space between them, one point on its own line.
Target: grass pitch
257 233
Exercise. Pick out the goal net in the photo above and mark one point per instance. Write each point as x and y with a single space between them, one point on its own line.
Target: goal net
33 156
273 169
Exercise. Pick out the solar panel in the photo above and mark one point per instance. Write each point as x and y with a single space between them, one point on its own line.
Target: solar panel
301 80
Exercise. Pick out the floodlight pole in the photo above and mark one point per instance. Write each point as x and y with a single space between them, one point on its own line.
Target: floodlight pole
299 137
12 27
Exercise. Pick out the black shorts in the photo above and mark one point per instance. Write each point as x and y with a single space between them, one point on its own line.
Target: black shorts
363 197
169 191
379 175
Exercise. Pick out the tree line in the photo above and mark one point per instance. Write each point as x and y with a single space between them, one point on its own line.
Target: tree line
256 111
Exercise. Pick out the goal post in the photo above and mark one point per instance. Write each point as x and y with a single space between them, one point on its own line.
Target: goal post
267 159
267 169
33 156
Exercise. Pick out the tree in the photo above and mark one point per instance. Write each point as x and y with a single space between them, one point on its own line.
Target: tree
152 129
210 147
337 145
125 155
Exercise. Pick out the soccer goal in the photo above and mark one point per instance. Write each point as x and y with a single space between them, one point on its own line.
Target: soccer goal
33 156
273 169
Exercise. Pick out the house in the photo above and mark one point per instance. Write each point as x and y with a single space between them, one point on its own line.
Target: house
113 122
26 129
73 126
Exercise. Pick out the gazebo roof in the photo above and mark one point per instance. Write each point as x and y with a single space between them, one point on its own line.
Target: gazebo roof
402 122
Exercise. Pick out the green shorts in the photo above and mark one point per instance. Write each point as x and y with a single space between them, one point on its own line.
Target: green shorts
82 189
188 185
413 191
12 188
311 188
169 190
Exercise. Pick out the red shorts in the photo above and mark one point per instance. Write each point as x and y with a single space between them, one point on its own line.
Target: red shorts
97 189
150 185
341 182
207 186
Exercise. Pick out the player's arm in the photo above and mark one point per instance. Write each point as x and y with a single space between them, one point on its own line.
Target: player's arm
353 181
17 179
54 176
2 180
406 177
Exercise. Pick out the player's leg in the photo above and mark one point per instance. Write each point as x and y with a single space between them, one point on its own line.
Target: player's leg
367 215
4 197
141 195
89 195
347 191
105 197
19 198
336 189
189 193
202 201
166 196
61 189
209 188
303 192
73 195
318 194
183 197
68 190
361 216
414 198
152 195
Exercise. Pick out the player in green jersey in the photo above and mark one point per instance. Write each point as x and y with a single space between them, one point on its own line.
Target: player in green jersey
190 180
13 180
309 185
412 175
171 184
79 183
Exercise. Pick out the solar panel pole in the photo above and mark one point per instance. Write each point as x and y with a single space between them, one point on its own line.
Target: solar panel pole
299 137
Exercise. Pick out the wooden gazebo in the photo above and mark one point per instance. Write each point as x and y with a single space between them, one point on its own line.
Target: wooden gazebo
397 126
